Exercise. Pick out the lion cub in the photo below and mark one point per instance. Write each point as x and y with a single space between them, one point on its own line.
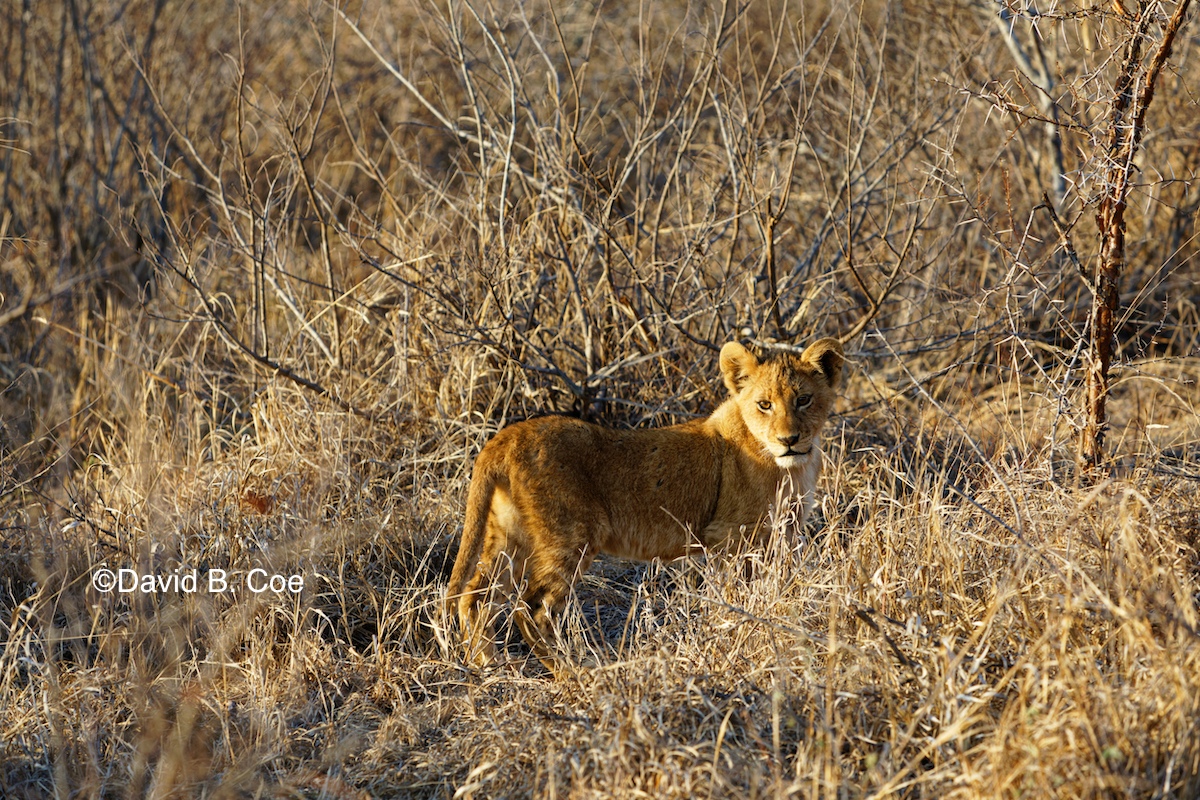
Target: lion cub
548 494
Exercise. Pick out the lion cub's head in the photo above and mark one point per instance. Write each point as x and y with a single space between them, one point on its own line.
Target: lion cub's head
784 397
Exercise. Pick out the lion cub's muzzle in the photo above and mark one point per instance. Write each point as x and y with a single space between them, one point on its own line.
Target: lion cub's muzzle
793 457
790 444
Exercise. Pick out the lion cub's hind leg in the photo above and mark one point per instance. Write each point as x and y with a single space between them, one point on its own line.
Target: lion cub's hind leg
548 582
501 570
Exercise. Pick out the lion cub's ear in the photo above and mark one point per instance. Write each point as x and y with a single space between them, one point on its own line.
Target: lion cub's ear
737 366
824 354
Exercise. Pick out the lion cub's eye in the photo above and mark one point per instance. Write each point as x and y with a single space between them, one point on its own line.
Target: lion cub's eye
764 405
803 401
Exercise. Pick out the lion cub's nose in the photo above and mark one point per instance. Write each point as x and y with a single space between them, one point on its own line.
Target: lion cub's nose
789 440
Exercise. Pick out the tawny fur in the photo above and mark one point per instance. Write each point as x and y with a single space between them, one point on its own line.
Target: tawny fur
548 494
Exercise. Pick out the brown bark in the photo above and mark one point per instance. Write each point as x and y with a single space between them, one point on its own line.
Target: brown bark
1104 309
1126 125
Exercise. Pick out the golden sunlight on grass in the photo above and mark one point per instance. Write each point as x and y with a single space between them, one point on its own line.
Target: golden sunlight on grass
272 274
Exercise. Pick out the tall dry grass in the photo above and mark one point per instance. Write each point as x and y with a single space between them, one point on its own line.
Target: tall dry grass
273 274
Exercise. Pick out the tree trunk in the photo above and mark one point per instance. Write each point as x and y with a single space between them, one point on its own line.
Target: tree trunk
1101 329
1126 124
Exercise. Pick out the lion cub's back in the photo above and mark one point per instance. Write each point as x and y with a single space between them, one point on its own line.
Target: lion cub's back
635 491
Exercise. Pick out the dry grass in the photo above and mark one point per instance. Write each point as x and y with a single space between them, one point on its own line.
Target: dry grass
267 285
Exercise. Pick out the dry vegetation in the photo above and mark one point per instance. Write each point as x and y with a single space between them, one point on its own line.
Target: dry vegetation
271 273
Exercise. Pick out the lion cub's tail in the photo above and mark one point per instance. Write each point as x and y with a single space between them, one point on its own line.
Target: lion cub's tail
479 505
